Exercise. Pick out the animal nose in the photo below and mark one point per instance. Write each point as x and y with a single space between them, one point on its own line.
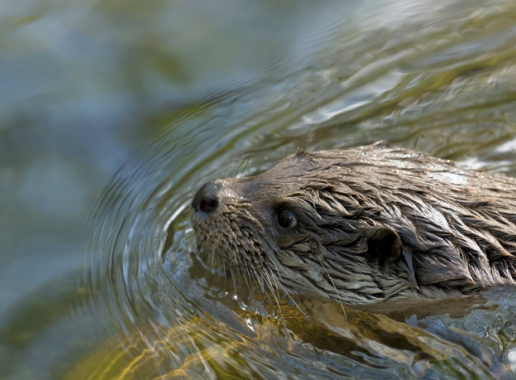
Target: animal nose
207 200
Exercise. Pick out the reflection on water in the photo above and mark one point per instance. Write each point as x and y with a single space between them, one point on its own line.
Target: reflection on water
174 94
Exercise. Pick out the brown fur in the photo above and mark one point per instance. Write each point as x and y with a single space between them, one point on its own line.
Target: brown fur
373 224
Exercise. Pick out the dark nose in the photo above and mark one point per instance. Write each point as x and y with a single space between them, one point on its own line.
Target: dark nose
206 200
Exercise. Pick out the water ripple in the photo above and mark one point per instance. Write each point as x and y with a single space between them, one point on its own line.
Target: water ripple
411 79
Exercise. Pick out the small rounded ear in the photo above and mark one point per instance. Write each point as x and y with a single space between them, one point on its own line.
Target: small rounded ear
383 245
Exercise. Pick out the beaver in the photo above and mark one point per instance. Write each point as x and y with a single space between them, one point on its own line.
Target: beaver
362 225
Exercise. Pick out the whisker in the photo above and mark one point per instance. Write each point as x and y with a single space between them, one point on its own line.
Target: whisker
246 161
259 280
245 277
306 139
276 283
201 249
286 150
233 277
286 291
334 287
267 277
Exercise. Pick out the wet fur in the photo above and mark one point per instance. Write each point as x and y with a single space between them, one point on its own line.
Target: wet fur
374 224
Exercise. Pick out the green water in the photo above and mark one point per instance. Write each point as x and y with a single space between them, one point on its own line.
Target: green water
113 114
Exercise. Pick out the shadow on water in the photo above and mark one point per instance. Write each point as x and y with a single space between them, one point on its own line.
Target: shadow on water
105 281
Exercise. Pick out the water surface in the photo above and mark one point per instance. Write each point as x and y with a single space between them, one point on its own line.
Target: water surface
113 114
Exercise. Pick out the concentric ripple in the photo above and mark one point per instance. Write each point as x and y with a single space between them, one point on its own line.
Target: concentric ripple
445 85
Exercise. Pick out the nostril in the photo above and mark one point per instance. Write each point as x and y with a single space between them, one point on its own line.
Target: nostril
208 205
207 200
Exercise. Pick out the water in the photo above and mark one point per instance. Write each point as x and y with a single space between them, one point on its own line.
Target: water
112 115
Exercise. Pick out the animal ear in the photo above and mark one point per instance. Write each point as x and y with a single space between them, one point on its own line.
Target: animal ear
383 245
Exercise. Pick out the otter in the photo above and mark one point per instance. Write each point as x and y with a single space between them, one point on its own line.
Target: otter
363 225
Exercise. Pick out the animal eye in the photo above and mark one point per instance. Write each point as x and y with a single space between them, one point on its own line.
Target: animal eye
286 219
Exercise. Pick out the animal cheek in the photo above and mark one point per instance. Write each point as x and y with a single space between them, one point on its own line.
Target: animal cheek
303 247
307 246
284 240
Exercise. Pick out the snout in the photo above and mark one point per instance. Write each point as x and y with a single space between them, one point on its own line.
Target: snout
207 199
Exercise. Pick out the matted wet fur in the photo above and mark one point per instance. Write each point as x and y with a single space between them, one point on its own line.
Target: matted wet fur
362 225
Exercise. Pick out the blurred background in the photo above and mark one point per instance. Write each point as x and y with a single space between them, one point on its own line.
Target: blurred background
113 113
83 83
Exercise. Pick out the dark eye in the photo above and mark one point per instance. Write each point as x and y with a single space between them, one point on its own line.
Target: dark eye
286 219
